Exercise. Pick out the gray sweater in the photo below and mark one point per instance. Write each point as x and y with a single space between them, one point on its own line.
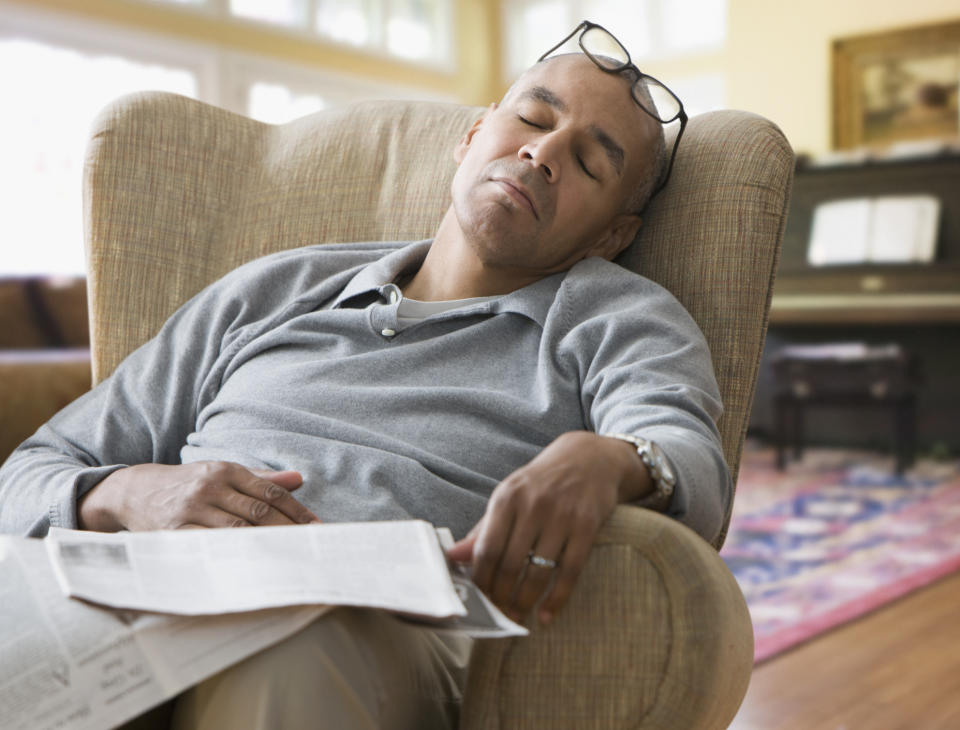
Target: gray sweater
297 361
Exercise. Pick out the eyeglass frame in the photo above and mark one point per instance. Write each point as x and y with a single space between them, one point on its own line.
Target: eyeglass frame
629 65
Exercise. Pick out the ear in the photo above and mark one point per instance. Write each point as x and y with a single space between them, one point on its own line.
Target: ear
617 237
460 151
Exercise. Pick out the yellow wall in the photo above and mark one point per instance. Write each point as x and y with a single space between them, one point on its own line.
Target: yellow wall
777 58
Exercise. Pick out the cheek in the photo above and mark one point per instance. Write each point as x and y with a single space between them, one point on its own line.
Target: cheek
582 205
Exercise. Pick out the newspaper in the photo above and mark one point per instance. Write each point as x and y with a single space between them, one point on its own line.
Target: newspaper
214 598
483 620
67 664
397 565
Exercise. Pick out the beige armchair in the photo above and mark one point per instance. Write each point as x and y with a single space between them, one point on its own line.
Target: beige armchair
177 193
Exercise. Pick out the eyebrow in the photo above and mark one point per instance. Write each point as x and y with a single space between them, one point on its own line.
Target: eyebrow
542 93
614 151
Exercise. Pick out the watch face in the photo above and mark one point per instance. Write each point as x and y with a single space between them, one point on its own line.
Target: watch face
662 464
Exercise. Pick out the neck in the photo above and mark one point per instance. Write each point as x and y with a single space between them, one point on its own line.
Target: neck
452 270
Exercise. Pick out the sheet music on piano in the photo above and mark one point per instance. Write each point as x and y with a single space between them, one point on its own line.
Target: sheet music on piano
882 229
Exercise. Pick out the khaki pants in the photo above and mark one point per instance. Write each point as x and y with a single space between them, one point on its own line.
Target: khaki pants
350 669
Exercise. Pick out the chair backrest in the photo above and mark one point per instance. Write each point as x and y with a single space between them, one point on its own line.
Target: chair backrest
177 193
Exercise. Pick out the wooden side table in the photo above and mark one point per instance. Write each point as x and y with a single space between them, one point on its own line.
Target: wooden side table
848 375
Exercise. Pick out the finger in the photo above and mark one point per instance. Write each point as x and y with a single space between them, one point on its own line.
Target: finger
537 578
462 551
243 507
490 544
514 562
567 572
221 502
288 478
212 516
281 507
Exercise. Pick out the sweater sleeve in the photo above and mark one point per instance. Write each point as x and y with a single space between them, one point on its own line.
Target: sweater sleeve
144 412
645 369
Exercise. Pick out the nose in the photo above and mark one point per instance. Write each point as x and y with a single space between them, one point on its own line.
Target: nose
544 154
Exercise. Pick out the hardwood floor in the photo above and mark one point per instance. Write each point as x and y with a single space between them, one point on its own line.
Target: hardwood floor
895 669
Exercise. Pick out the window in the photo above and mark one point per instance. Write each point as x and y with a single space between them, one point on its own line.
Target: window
291 13
347 21
700 93
276 92
76 69
276 103
43 133
414 30
652 30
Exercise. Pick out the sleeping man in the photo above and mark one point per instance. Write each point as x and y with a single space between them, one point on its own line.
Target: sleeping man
504 379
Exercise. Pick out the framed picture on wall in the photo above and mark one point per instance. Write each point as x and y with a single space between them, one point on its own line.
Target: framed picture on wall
896 86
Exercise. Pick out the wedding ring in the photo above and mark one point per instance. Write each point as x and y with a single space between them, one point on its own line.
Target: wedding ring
541 561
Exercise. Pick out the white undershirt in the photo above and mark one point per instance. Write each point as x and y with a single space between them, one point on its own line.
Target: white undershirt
412 311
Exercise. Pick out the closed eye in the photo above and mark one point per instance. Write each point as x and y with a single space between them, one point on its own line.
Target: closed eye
580 162
584 167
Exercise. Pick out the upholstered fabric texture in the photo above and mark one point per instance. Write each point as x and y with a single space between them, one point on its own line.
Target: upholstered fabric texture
218 190
648 640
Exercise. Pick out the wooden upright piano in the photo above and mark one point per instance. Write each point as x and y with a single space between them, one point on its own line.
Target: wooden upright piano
871 293
915 305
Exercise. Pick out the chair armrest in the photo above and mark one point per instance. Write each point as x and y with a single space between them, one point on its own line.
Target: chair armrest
656 634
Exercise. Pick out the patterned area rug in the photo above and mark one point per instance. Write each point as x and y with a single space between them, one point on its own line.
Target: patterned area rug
836 535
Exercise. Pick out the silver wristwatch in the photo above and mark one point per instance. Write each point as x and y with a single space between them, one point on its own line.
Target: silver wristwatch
661 472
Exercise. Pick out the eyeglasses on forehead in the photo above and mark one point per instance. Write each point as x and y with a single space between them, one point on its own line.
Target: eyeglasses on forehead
651 95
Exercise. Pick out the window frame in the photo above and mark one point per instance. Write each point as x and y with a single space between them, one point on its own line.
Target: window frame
102 38
445 20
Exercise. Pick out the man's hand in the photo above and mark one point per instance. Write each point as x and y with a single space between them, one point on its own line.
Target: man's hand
553 508
204 494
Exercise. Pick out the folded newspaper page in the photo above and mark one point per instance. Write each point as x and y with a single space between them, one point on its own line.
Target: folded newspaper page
483 620
68 664
398 566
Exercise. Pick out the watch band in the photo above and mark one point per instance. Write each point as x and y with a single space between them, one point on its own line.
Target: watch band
661 472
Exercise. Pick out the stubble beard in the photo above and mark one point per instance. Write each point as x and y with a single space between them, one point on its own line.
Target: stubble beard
501 233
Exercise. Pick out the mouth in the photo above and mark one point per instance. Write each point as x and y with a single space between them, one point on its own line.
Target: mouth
518 194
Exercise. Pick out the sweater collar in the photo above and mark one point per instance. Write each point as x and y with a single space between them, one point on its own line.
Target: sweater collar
533 300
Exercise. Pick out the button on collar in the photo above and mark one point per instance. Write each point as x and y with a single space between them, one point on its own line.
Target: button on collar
392 293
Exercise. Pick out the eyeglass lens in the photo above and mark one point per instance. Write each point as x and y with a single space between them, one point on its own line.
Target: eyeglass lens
609 53
667 105
606 50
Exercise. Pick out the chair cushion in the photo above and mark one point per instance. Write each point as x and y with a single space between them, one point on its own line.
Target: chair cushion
219 189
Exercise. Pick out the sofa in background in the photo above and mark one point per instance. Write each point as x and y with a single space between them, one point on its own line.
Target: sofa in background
44 352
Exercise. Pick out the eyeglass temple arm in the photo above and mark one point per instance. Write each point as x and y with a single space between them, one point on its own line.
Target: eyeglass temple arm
586 24
682 116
